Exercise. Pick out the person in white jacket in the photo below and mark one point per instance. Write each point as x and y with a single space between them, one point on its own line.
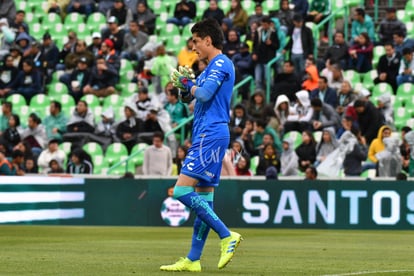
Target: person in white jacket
51 153
300 114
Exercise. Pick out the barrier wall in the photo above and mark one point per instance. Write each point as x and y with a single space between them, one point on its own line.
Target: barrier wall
241 203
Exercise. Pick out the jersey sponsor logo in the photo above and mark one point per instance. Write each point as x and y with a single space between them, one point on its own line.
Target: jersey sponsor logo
190 166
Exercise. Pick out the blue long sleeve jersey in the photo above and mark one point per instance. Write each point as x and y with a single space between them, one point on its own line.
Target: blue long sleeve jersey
213 97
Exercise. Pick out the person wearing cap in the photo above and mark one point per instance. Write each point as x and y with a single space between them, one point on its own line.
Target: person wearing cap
406 71
145 18
134 40
81 51
114 33
300 45
85 7
388 66
78 79
55 122
52 152
102 80
184 13
109 54
95 45
122 13
265 45
389 26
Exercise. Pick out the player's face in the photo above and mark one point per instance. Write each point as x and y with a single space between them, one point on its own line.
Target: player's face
200 46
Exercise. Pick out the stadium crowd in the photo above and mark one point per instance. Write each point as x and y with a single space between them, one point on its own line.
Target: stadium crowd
111 88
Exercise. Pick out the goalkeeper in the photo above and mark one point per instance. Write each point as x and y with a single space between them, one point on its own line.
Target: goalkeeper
200 173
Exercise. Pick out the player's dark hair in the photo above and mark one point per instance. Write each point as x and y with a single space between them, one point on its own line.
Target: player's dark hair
209 27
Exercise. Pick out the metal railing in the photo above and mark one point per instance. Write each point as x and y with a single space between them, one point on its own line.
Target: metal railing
239 85
268 72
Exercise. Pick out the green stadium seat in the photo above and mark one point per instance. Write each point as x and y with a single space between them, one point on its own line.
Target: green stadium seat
40 104
248 6
128 89
81 29
73 19
381 88
96 21
224 5
405 91
378 51
100 164
169 30
24 6
254 162
17 100
202 5
67 101
50 19
36 30
66 147
113 101
24 112
115 152
139 158
30 18
401 115
57 88
91 100
296 136
186 31
270 5
126 65
158 6
352 76
368 79
93 148
403 16
58 32
176 43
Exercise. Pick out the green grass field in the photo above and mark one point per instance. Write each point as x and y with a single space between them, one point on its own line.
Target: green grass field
70 250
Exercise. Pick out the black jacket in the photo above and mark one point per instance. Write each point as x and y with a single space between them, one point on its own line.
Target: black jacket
307 41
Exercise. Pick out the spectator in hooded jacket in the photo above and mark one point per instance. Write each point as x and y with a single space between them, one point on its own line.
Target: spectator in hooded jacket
306 151
300 114
369 119
289 159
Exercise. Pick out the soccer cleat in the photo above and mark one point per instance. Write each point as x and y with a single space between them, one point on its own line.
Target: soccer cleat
228 247
183 264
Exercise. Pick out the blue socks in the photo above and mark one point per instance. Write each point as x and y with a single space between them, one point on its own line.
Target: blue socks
202 208
200 231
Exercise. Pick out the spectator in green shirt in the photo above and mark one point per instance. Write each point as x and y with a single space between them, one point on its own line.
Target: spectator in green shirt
177 110
318 11
55 123
362 23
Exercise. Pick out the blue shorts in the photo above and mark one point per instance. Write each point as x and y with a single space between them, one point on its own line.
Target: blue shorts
203 161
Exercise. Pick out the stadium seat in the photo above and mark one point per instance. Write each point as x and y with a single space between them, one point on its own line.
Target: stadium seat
139 158
24 6
17 100
409 8
96 110
128 89
296 136
254 162
248 6
368 79
58 31
126 65
169 30
49 20
126 76
30 18
158 6
96 21
352 76
186 32
224 5
115 152
66 147
36 30
93 148
202 5
405 91
81 29
381 88
24 112
73 19
317 135
176 43
100 164
40 104
91 100
401 115
378 51
270 5
57 88
113 100
403 16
